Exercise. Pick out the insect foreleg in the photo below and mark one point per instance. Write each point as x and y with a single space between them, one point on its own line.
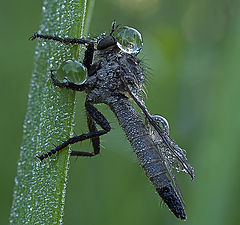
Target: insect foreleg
88 53
63 40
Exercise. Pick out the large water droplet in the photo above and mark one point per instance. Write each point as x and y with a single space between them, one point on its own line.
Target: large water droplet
129 40
72 71
162 123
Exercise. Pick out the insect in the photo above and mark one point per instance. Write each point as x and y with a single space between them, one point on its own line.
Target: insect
113 76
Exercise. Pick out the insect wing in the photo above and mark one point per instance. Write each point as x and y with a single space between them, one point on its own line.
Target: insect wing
168 165
179 160
176 156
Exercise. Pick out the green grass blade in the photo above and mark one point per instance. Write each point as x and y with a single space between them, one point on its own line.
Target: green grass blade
40 187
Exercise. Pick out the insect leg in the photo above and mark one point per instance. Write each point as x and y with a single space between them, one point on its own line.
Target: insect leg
100 120
95 141
55 38
88 56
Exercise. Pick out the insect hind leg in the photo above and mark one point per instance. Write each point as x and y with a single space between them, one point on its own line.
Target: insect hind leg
94 135
95 140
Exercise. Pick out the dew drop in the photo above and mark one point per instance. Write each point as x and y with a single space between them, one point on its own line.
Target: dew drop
162 123
72 71
129 40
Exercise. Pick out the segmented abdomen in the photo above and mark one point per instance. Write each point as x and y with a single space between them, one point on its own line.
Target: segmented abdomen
150 160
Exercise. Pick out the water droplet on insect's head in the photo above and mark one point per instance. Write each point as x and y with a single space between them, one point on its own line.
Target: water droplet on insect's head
162 123
72 71
129 40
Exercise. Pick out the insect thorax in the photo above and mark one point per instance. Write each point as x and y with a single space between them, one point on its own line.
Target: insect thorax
106 80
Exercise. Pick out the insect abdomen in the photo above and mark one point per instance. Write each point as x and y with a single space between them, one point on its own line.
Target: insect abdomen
150 160
157 174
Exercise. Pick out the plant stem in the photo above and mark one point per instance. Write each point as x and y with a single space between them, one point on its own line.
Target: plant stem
40 187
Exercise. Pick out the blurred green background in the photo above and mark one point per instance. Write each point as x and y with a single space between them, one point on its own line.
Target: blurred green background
193 50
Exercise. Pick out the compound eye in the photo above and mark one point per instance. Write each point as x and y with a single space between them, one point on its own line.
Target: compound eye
106 42
72 71
129 40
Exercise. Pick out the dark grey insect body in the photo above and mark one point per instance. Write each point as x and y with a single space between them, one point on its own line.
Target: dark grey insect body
113 75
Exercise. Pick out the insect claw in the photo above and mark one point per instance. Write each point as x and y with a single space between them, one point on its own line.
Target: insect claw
40 157
33 37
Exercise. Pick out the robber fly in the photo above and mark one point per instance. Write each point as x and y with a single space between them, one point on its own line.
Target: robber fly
115 75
